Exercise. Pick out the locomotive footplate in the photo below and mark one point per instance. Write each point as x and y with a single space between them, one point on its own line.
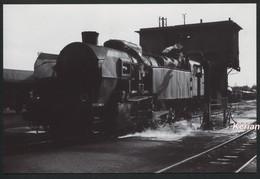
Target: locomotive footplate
139 98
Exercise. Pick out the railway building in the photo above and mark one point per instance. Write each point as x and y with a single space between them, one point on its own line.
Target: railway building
17 84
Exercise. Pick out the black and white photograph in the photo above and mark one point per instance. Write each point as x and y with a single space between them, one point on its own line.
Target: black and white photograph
129 88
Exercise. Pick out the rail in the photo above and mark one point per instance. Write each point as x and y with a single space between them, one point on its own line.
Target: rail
203 153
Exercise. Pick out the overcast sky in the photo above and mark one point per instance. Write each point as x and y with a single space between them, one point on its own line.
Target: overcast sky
29 29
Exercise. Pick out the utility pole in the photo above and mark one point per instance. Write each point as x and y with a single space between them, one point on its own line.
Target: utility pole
184 17
162 22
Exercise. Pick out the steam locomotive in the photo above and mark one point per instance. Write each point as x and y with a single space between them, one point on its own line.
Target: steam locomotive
109 89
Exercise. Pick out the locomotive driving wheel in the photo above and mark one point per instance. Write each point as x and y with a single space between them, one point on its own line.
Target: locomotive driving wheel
168 119
161 123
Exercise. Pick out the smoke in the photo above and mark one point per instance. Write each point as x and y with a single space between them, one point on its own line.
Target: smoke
171 48
171 132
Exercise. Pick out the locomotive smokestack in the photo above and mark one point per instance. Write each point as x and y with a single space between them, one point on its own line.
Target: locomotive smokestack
90 37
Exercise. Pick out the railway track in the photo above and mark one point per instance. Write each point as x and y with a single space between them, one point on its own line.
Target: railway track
25 147
48 143
231 156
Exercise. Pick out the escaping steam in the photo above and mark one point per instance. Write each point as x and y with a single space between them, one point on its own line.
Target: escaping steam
171 132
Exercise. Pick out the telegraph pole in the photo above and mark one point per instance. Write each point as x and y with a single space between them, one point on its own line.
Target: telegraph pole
162 22
184 17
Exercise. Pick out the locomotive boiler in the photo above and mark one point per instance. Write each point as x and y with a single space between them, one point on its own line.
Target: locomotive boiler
112 88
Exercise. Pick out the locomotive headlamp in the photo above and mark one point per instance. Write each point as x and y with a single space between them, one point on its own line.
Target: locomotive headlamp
31 94
83 97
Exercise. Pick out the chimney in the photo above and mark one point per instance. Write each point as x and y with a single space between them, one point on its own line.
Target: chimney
90 37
